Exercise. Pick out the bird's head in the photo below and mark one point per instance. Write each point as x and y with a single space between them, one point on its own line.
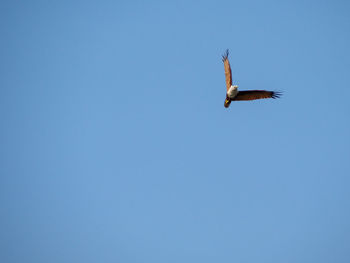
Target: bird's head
227 102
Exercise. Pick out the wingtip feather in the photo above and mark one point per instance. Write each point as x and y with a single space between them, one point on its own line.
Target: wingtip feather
276 94
225 55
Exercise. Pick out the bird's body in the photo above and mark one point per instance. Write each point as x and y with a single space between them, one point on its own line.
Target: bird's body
232 92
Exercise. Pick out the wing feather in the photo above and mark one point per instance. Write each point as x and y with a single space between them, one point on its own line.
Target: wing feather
257 94
228 74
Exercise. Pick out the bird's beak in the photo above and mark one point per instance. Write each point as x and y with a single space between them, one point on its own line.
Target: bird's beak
227 103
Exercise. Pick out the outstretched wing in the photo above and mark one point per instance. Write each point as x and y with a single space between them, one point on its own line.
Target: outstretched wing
228 75
257 94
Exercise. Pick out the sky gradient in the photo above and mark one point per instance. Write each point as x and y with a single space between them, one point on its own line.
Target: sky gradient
116 146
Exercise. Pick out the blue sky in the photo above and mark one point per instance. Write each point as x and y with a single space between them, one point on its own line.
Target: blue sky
116 146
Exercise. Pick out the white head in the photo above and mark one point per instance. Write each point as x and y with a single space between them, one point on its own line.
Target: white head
232 91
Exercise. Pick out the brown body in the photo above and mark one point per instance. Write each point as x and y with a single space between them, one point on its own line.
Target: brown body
232 93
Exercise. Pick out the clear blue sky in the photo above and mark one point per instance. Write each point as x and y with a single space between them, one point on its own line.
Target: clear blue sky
116 146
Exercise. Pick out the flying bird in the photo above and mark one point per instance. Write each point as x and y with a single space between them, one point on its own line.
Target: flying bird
232 92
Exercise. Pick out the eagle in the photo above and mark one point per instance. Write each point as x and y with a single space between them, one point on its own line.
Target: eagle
232 93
